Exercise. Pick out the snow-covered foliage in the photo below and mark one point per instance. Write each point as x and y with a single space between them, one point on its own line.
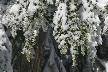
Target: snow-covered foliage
27 15
80 23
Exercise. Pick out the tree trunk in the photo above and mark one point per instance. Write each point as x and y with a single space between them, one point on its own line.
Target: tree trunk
19 60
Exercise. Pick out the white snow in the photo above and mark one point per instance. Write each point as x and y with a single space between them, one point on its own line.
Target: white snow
102 3
104 63
94 31
106 25
5 52
15 8
32 8
51 64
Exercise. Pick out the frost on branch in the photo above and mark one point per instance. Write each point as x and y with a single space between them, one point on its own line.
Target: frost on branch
27 15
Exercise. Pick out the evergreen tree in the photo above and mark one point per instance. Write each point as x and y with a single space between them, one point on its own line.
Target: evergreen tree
53 35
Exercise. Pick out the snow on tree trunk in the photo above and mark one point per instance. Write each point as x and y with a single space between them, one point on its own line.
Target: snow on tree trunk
5 45
5 52
54 64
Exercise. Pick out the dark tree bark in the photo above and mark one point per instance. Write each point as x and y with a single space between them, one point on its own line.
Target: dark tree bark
19 60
